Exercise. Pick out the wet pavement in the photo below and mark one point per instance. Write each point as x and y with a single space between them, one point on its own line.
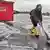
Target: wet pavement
24 20
21 37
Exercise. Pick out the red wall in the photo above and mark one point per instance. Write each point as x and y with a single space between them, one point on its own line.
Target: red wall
6 11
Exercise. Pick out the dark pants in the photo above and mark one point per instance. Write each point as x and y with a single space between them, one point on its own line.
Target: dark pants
34 23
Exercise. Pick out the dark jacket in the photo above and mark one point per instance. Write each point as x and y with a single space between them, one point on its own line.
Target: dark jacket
35 16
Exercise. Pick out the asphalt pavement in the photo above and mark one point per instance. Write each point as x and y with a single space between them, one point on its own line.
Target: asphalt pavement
23 38
24 20
35 42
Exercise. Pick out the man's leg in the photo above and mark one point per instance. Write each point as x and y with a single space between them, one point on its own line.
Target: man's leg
33 29
38 30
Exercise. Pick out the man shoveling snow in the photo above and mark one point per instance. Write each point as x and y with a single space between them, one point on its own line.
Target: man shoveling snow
36 19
